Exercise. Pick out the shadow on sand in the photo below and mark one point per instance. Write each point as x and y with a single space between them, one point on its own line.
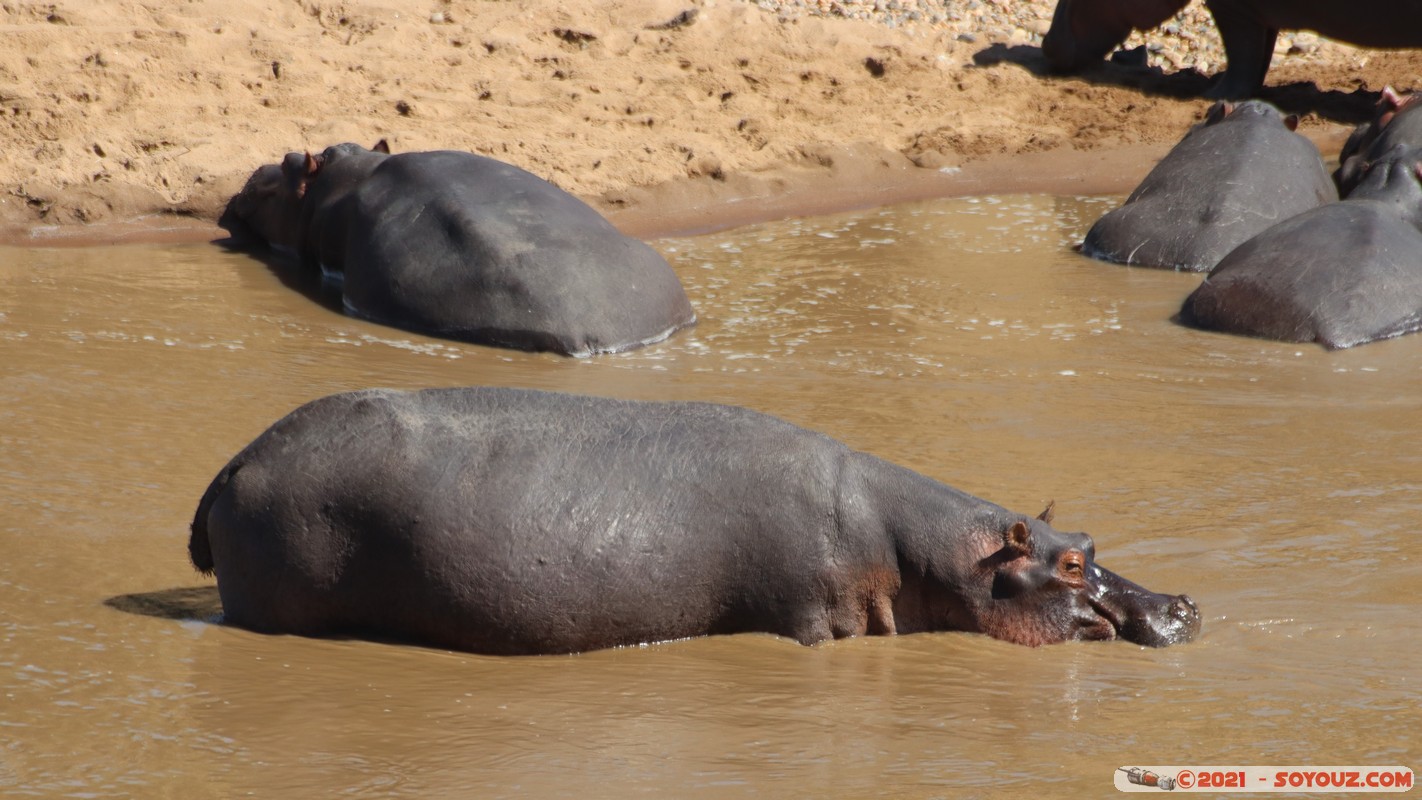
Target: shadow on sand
1349 108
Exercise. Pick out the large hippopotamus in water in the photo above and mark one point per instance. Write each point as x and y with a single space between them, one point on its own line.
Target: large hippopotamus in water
1240 171
1398 122
1085 31
509 521
465 247
1341 275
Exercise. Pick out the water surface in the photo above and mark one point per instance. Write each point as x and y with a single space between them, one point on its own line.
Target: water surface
1277 484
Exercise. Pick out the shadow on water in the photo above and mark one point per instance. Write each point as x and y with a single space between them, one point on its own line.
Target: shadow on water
1295 98
199 603
289 270
204 604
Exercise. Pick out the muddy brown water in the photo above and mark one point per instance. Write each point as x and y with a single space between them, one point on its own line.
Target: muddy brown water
1280 485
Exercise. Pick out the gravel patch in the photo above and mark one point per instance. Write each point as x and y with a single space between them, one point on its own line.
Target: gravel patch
1187 41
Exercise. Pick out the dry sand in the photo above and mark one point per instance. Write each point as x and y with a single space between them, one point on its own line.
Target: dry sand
139 118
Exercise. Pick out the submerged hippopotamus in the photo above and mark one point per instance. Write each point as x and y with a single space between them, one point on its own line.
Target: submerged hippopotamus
1398 122
508 521
1084 31
1240 171
1341 275
465 247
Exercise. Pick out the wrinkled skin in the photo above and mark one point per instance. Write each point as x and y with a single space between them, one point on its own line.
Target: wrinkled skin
1082 33
465 247
1341 275
509 521
1241 171
1398 122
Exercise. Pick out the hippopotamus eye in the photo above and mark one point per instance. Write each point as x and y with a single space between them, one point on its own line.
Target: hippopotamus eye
1072 564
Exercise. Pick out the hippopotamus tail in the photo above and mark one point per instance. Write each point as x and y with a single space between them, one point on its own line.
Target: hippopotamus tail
199 550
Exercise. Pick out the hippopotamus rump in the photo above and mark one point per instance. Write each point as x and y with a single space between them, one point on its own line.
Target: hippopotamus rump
1341 275
508 521
1240 171
1084 31
465 247
1398 123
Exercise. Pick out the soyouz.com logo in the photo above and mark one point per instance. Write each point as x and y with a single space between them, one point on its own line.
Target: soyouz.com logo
1263 779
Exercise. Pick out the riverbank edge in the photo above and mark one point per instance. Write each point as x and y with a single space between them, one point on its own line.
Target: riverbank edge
855 178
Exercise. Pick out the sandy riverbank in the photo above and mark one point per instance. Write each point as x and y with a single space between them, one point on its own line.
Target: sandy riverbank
129 119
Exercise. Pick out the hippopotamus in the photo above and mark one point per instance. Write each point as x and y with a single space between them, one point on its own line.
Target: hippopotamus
1398 121
465 247
510 521
1240 171
1085 31
1341 275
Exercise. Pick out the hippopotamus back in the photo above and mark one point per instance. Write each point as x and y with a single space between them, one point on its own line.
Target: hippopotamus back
471 248
1241 171
1341 275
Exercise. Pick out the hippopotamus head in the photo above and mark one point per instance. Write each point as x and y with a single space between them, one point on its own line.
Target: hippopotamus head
1085 31
1395 178
268 209
1044 586
1366 139
1256 109
265 211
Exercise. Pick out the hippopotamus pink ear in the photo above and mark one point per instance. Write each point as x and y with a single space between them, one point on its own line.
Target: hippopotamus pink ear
1017 541
1390 98
1048 512
381 146
1218 111
309 169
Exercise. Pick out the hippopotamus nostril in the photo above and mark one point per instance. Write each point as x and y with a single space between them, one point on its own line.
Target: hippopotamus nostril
1185 608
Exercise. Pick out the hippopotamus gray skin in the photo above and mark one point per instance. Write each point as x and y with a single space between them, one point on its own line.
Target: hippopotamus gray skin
1341 275
1240 171
1084 31
464 247
509 521
264 212
324 219
1398 122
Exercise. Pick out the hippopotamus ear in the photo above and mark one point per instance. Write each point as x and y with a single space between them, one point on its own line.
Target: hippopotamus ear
1390 99
1048 512
309 168
298 169
1017 540
1218 111
381 146
1292 122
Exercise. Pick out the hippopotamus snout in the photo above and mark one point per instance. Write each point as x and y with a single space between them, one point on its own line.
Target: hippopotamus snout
1145 617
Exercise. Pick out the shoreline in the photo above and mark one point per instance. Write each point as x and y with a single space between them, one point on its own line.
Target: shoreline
854 179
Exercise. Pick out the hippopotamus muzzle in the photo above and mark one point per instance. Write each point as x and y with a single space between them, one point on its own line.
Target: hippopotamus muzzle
1140 615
